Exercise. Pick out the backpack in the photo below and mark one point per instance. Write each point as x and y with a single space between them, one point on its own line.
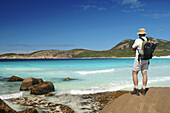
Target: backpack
147 50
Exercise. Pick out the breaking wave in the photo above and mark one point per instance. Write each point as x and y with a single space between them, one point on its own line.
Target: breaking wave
9 96
94 72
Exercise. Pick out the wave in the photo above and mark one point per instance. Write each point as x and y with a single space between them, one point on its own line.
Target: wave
9 96
126 85
98 90
94 72
159 79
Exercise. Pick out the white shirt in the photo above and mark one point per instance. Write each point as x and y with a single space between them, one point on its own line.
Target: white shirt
138 44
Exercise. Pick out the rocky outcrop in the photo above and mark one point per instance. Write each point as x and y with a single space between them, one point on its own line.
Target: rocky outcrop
45 54
68 79
30 110
14 79
156 100
43 104
37 86
29 82
4 108
42 88
66 109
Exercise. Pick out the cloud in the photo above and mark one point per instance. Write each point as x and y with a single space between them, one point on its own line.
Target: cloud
132 3
29 45
158 15
18 51
89 7
132 10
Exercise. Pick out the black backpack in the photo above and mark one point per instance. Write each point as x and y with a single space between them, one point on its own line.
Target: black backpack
147 50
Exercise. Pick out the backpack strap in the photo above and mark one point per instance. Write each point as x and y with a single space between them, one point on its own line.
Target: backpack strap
143 39
147 38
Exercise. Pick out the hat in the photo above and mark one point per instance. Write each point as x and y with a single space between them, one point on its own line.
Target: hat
142 31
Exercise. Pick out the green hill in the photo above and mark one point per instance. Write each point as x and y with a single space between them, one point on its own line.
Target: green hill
122 49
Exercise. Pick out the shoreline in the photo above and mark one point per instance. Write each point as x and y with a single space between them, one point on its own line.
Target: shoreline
78 103
76 58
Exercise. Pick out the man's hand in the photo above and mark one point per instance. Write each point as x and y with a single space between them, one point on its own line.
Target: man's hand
134 49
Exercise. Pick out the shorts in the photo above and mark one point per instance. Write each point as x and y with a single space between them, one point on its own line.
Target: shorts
141 65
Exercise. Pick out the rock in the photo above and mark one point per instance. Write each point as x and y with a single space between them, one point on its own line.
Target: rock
42 88
49 94
40 80
67 79
30 110
4 108
66 109
156 100
27 83
14 79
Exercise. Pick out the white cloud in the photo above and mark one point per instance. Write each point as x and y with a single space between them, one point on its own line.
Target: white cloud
132 10
88 7
132 3
158 15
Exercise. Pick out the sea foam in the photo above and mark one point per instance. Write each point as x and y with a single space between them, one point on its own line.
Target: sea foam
94 72
9 96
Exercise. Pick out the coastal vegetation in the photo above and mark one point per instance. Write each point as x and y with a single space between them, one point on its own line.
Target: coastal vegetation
122 49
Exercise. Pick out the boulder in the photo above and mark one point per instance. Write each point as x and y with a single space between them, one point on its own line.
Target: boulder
29 82
40 80
42 88
30 110
67 79
156 100
66 109
14 79
49 94
4 108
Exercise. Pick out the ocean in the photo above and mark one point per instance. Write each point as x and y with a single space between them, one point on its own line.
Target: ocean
90 75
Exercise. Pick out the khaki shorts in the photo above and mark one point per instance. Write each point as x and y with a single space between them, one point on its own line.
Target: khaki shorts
141 65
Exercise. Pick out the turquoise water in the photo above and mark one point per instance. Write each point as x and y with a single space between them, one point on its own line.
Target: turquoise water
91 75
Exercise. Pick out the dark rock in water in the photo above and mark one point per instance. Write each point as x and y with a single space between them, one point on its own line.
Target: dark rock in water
27 83
30 110
68 79
42 88
14 79
66 109
49 94
4 108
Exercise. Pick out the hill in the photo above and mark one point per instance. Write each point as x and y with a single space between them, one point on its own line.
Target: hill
122 49
156 100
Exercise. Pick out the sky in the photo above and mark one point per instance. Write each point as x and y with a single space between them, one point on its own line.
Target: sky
31 25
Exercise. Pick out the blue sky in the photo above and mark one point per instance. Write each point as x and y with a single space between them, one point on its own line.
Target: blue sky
31 25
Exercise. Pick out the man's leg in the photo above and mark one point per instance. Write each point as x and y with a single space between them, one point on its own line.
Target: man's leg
135 81
135 78
144 74
144 90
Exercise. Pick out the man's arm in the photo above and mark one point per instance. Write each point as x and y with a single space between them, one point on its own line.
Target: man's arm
135 45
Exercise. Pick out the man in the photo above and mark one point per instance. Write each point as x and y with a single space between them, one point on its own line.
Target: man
139 65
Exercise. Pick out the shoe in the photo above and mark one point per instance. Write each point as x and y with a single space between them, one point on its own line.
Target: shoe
143 91
135 92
